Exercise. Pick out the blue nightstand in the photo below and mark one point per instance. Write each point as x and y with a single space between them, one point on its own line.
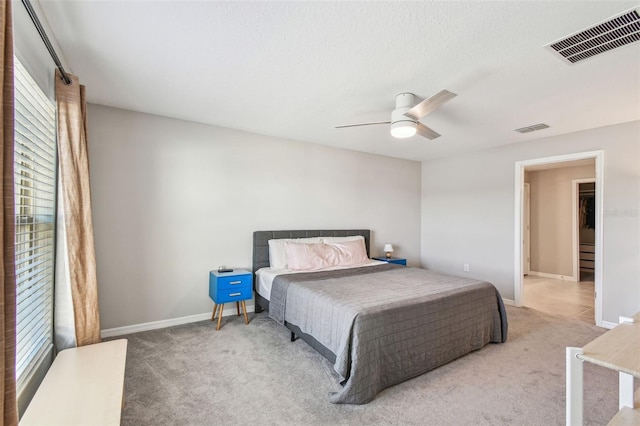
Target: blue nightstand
225 287
396 260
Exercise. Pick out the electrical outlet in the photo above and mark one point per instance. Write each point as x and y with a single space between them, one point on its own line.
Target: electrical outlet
465 267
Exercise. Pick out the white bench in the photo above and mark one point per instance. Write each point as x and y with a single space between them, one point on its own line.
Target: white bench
84 386
618 349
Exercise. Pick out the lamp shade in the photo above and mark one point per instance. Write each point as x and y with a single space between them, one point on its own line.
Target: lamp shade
403 129
388 248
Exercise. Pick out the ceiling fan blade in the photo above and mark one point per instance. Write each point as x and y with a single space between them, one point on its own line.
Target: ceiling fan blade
427 132
363 124
428 105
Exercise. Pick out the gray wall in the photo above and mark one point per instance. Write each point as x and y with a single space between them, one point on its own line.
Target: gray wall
552 218
468 211
174 199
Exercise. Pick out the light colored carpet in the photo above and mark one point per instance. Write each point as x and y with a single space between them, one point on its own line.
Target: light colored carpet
253 374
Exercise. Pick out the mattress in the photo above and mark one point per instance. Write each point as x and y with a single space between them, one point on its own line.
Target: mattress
265 276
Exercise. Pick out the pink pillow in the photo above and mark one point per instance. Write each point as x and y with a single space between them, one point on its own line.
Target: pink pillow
316 256
305 257
347 253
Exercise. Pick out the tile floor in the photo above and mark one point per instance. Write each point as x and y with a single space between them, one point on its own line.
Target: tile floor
559 297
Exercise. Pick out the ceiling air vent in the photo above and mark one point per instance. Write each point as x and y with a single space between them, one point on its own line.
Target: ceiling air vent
532 128
615 32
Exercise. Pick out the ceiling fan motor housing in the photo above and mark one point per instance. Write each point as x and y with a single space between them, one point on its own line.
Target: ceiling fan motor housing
404 102
401 125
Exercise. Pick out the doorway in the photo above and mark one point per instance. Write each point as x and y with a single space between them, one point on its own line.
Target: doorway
584 195
570 275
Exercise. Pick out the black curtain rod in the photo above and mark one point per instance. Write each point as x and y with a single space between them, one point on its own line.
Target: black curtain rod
45 39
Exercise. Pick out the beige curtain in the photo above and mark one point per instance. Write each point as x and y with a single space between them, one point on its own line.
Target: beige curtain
76 312
8 283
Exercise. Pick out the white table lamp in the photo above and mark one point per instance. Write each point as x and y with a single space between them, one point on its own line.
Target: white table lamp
388 249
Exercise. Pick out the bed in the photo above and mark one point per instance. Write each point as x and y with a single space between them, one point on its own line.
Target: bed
379 324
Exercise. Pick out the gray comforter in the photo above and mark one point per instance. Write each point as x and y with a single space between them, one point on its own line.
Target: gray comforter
388 323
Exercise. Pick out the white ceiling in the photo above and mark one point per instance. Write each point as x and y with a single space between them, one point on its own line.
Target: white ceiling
297 69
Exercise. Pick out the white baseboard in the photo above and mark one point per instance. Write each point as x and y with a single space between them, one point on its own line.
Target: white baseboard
154 325
554 276
509 302
609 325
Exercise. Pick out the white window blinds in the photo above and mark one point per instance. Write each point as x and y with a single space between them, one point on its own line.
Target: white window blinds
35 178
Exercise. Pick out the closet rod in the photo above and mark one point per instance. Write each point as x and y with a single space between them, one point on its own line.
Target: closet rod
45 40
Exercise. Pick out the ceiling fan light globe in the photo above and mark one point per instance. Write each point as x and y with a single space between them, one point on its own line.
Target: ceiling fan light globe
403 129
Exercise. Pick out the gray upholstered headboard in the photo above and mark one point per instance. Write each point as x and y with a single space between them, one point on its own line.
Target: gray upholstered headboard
261 241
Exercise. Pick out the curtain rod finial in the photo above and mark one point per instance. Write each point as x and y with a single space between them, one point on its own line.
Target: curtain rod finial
65 78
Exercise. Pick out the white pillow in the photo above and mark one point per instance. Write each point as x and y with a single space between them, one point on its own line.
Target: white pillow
277 254
332 240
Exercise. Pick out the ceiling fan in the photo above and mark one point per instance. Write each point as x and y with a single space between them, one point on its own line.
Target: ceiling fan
405 118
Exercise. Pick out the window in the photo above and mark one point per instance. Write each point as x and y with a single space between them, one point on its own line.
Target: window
35 178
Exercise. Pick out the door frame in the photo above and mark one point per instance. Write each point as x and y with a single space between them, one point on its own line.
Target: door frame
518 219
526 231
576 239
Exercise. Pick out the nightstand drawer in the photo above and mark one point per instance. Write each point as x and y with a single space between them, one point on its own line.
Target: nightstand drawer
234 282
232 294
